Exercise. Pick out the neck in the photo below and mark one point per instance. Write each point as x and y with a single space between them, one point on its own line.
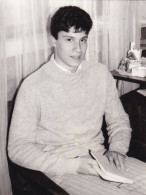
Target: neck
66 67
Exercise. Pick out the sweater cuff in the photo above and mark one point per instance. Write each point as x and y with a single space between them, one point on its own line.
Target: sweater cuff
118 147
67 166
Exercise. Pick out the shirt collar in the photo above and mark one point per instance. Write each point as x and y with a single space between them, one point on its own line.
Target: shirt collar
64 69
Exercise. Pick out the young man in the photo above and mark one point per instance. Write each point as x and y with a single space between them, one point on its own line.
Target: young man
59 112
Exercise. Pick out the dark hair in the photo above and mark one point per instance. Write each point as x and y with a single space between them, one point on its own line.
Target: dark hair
70 16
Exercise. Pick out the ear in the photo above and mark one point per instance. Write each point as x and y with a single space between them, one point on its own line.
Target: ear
53 41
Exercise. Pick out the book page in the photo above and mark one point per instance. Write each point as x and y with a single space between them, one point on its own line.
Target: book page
109 172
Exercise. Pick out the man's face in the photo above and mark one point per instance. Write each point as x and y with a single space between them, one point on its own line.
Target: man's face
70 48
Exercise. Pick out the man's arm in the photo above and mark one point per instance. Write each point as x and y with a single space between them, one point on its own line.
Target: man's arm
22 146
118 126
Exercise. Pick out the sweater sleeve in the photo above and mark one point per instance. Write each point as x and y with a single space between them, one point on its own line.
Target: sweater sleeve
117 120
22 146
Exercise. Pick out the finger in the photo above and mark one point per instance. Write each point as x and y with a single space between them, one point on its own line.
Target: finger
97 170
91 161
93 171
111 160
117 162
122 162
87 169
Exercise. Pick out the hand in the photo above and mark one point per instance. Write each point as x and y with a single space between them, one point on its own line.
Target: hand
116 158
86 166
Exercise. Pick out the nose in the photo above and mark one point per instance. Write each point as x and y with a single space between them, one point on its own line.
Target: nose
77 47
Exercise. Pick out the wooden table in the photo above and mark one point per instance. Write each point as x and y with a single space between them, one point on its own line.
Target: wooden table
133 79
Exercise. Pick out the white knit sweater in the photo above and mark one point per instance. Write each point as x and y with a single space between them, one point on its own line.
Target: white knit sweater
58 117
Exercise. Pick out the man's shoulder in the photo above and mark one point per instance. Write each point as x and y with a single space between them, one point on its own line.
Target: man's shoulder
96 66
36 78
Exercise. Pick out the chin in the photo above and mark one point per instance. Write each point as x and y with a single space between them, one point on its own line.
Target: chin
74 65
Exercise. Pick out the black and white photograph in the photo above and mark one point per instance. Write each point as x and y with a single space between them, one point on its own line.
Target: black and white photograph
72 97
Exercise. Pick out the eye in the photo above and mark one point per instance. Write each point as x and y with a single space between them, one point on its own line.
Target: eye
84 40
69 39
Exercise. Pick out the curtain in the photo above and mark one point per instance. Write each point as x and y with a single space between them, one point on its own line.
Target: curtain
143 14
25 45
5 186
28 46
125 27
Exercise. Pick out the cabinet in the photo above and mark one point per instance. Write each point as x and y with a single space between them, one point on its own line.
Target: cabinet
135 105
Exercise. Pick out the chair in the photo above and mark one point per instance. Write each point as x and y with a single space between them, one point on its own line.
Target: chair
30 182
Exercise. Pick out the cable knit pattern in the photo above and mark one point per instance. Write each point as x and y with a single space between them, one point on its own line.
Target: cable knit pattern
58 117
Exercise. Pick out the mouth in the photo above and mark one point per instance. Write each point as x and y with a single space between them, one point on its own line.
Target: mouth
76 57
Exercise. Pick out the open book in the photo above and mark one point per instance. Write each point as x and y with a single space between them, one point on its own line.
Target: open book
109 172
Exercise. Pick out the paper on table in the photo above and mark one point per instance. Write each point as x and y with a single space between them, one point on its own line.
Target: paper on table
109 172
123 72
142 91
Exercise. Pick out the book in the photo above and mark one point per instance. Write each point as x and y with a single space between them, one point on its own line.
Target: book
109 172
